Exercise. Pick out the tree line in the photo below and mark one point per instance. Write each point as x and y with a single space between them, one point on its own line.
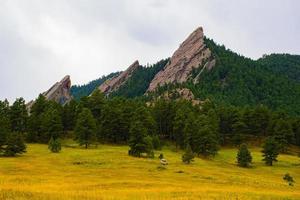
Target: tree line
144 126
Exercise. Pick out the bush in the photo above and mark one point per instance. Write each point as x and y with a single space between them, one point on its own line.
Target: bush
289 179
15 145
161 156
54 145
188 156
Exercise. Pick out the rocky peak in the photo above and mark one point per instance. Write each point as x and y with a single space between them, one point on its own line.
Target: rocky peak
114 83
192 53
60 91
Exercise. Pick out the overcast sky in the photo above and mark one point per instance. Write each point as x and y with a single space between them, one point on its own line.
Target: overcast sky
41 41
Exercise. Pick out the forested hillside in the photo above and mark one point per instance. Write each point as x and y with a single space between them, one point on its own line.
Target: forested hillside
237 80
79 91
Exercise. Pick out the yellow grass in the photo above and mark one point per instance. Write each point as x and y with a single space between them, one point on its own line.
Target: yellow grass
109 173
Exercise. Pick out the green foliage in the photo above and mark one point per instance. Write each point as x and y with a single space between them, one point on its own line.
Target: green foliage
140 80
239 81
161 156
14 145
54 145
137 142
188 155
18 115
79 91
69 115
51 125
85 129
244 157
283 134
156 142
289 179
4 124
270 151
149 146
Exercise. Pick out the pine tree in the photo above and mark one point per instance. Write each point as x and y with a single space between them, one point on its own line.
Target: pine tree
54 145
244 157
283 134
18 115
51 125
14 145
270 151
69 115
179 126
35 130
188 155
85 128
4 128
137 141
96 103
149 146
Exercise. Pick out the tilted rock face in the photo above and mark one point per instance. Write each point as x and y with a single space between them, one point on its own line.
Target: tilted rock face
115 83
192 53
60 91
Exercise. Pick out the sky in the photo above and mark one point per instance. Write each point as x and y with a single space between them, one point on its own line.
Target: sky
41 41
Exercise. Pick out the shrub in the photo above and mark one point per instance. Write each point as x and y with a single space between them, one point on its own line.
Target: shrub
188 155
244 157
289 179
54 145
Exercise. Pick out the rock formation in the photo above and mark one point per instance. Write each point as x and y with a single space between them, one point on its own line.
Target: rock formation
114 83
192 53
59 92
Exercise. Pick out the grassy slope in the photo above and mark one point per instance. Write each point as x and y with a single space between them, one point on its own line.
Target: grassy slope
109 173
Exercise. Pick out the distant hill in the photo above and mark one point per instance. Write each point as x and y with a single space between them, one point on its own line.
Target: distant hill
211 71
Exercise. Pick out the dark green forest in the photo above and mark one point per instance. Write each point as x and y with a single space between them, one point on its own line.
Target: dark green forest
78 91
272 80
118 120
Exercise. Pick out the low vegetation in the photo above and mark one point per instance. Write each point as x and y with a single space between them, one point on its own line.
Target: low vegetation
108 172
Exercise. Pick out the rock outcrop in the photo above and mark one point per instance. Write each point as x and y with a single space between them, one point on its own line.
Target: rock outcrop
114 83
59 92
192 53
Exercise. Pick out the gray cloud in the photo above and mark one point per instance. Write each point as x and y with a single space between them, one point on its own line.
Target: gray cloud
41 41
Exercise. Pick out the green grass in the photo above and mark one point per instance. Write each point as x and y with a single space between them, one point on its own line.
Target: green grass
107 172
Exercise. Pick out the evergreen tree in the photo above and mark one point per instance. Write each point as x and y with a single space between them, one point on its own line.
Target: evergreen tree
96 103
156 142
270 151
35 129
69 115
244 157
18 115
4 129
15 145
51 125
149 146
85 128
179 125
188 155
283 134
239 131
203 138
54 145
137 142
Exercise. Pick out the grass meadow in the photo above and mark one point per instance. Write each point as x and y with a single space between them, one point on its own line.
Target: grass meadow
107 172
